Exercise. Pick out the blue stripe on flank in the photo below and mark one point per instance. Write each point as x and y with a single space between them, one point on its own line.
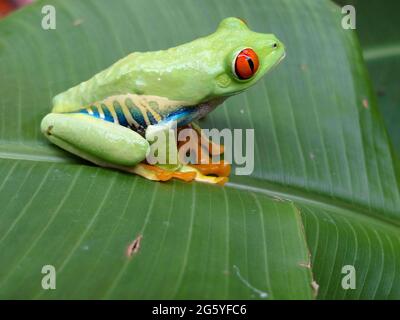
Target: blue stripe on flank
135 113
151 118
120 114
95 111
107 114
182 116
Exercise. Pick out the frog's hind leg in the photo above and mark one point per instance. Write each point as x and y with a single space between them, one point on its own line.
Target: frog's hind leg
204 151
101 142
106 144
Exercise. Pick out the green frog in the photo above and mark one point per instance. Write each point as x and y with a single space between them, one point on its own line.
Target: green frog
112 118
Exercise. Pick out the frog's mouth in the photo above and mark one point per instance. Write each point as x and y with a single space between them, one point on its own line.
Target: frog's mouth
279 60
283 57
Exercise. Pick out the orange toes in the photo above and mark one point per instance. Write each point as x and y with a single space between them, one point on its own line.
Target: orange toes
185 176
221 169
165 175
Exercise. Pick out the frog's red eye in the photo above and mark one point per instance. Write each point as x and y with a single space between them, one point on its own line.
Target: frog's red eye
246 64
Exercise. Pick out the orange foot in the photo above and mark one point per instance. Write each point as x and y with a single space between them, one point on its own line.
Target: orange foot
221 169
156 173
185 173
204 171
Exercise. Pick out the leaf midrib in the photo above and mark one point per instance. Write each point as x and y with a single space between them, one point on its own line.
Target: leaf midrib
29 152
339 206
388 50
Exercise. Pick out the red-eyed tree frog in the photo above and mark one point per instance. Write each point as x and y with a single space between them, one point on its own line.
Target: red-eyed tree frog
110 118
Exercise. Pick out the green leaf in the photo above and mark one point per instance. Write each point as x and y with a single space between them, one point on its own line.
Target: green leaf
377 26
198 241
338 237
320 143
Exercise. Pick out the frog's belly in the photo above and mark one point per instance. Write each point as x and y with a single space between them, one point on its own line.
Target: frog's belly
138 117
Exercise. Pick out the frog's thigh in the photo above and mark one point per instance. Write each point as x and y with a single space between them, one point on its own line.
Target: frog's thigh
95 139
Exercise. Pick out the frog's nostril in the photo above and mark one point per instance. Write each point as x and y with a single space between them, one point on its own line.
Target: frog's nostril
275 45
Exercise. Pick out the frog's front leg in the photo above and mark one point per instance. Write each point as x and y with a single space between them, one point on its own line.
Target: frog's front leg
172 169
101 142
204 151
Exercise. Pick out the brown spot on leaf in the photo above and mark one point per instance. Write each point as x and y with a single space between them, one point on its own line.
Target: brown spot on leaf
77 22
365 103
315 288
304 67
305 265
134 246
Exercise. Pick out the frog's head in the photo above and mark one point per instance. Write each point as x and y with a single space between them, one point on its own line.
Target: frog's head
246 56
224 63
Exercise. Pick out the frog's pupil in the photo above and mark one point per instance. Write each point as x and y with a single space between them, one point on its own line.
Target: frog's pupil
250 62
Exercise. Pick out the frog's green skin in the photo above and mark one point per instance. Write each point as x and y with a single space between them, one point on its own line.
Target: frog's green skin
146 91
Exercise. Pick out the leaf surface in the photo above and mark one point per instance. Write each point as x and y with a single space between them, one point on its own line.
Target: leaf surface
321 149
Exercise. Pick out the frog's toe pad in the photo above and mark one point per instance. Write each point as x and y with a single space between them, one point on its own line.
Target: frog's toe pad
221 172
157 174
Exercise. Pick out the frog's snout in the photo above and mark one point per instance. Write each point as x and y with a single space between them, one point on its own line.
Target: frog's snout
277 45
280 48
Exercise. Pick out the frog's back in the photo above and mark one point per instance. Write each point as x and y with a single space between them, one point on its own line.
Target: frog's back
109 82
166 73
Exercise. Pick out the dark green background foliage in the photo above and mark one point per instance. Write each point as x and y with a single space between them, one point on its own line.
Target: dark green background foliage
378 26
324 192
